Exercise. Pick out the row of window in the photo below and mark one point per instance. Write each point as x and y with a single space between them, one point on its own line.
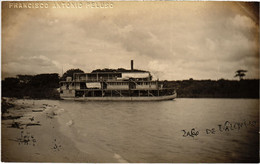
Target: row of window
117 83
146 83
95 78
99 76
66 84
121 83
126 83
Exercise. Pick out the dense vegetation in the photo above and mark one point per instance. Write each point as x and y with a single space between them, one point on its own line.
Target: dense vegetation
216 89
42 86
70 73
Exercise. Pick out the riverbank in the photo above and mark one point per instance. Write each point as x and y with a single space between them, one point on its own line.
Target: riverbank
30 133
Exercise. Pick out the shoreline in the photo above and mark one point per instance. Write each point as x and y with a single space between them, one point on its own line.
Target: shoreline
30 133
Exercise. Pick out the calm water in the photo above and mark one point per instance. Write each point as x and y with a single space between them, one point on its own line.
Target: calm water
152 131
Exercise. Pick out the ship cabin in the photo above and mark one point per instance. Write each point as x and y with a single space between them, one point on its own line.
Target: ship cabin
115 83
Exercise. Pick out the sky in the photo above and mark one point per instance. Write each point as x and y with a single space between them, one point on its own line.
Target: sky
172 40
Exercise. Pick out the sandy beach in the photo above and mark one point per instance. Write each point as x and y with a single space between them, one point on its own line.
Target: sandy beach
30 134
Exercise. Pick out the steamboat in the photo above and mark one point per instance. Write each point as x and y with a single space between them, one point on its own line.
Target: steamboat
115 85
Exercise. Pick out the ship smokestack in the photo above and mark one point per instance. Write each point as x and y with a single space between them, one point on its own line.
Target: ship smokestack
132 65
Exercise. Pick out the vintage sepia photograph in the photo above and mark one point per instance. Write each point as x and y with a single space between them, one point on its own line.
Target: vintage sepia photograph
130 82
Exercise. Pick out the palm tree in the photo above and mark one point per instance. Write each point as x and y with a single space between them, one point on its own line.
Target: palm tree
240 73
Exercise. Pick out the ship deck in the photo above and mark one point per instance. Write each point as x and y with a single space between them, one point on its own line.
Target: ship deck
133 98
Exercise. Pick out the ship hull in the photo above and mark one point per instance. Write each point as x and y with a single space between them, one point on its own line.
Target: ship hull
154 98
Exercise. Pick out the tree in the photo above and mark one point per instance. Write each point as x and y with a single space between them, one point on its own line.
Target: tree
240 73
25 78
70 72
10 82
45 81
